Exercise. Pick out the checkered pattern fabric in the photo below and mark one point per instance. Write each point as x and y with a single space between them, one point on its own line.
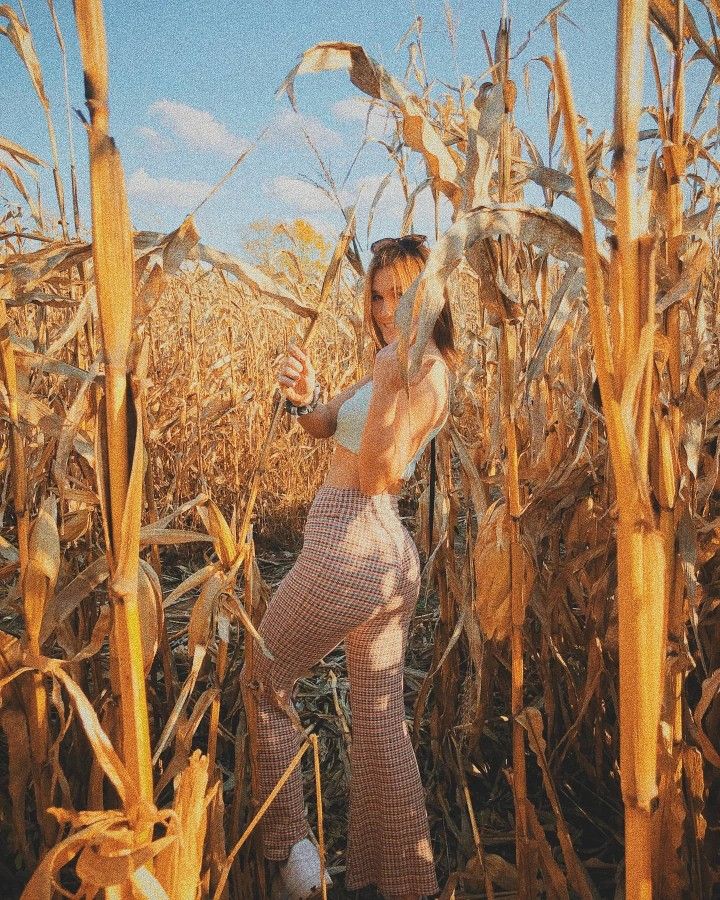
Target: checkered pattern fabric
357 578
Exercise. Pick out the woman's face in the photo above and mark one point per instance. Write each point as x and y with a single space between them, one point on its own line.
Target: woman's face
384 296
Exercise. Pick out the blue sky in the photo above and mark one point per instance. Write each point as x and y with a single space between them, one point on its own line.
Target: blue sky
192 85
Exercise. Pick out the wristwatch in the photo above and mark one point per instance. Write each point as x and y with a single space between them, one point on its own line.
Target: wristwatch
308 408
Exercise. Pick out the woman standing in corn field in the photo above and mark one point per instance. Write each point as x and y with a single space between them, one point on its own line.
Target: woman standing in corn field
357 578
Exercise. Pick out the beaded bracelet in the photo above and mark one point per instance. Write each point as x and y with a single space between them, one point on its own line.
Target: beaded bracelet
308 408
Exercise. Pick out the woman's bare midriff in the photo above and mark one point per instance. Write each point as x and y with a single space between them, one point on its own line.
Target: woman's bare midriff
343 471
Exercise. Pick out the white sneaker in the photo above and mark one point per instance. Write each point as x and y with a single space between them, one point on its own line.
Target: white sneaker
298 876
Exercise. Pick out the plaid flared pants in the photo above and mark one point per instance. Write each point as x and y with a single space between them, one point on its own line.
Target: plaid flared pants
357 578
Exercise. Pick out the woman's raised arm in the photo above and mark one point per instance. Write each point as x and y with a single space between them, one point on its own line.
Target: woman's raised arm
296 377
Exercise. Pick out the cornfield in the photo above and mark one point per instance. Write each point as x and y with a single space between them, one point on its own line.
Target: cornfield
563 678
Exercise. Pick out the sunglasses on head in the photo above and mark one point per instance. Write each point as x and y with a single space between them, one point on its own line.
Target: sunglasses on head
407 242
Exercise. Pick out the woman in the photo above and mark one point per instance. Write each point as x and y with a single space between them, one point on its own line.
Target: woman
357 578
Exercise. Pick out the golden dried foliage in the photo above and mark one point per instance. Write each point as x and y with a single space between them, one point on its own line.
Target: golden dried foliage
575 526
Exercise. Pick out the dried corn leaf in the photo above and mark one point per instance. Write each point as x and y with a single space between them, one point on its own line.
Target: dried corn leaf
663 14
253 278
384 182
178 246
484 119
103 750
100 631
70 427
419 132
75 525
555 881
102 867
470 470
194 580
491 561
124 578
150 610
331 272
523 224
151 534
87 305
21 39
708 696
186 730
693 269
42 884
20 154
187 688
561 183
71 596
14 723
531 720
19 185
29 270
406 225
560 308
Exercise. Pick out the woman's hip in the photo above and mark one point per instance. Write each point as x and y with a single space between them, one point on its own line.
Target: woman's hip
350 503
350 532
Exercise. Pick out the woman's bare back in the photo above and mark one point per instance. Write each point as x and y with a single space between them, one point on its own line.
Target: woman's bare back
344 469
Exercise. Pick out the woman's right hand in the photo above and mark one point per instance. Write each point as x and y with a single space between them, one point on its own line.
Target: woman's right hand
296 376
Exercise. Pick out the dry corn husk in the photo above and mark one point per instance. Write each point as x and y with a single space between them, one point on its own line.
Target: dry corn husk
491 559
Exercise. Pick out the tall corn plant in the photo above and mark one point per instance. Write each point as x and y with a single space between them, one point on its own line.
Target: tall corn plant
119 430
38 559
624 361
508 347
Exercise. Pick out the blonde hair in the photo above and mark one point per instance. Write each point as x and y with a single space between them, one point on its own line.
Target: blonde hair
406 263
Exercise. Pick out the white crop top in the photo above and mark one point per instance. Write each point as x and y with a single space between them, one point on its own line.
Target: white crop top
351 418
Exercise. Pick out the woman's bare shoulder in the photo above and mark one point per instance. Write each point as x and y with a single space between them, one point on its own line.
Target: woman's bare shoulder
433 392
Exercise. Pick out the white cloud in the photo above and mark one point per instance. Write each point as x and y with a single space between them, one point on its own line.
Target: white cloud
302 196
154 139
199 129
392 199
291 126
390 209
305 199
355 109
167 191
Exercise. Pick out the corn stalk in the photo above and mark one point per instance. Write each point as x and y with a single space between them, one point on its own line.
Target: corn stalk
669 871
18 470
624 369
507 356
36 565
114 279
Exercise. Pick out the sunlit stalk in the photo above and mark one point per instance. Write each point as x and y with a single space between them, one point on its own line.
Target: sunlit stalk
626 400
18 470
507 353
114 279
